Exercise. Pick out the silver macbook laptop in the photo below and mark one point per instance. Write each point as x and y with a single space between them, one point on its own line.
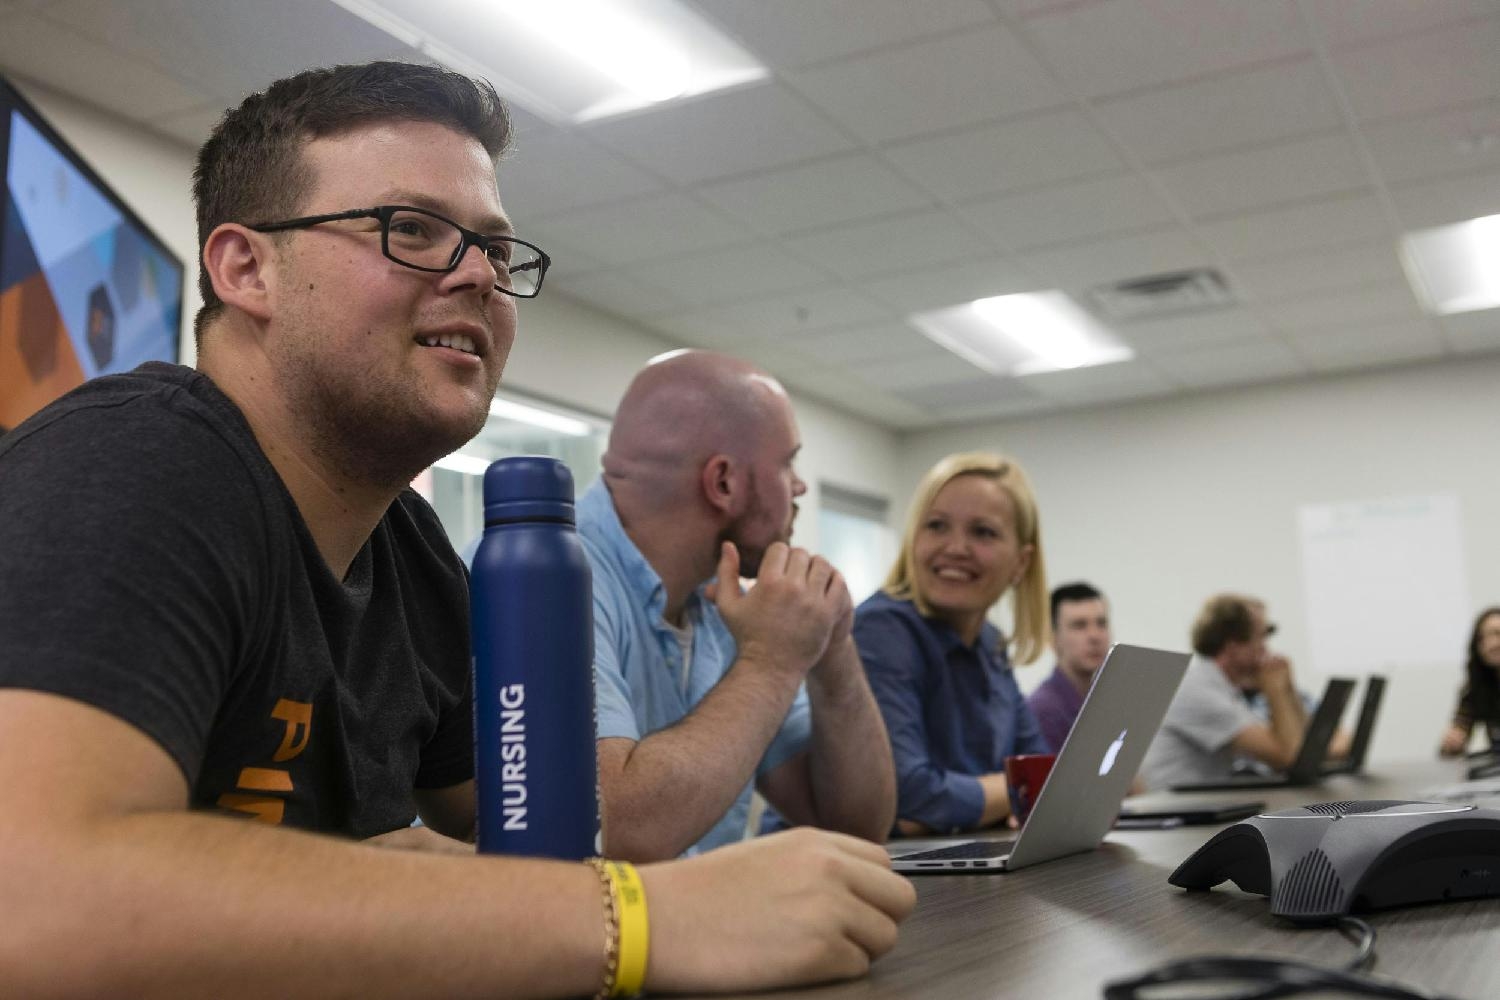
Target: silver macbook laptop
1094 768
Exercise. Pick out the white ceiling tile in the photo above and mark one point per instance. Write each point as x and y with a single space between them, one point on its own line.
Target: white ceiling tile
865 344
1232 364
739 272
1045 148
1071 212
1119 258
906 373
973 391
1238 109
612 291
792 314
703 327
1278 278
839 389
1343 23
1431 145
269 39
526 127
952 100
568 258
1472 332
796 32
896 93
829 191
1001 409
1127 44
1110 394
717 135
1439 69
1351 307
1267 175
1099 383
1298 229
1031 8
1452 199
892 245
43 50
777 355
556 172
624 232
931 287
1369 346
1192 331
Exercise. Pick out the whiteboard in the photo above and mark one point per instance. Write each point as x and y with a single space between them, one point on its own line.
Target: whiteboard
1386 584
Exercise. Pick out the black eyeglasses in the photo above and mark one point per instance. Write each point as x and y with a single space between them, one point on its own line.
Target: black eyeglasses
426 241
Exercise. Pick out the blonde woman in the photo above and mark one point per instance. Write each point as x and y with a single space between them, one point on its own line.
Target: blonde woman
940 671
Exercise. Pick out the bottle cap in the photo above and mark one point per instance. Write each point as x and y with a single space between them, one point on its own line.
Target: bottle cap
528 488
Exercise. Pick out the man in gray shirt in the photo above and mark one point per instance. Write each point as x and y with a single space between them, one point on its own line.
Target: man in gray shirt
1209 723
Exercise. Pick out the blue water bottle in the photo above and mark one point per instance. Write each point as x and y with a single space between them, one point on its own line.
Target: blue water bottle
532 611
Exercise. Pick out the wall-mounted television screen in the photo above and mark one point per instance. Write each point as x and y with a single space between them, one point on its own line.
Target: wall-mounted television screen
85 287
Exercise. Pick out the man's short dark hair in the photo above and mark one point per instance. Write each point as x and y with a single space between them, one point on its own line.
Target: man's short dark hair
1068 592
1224 619
251 168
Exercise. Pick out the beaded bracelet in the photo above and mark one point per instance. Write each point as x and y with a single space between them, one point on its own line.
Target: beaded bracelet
626 927
611 930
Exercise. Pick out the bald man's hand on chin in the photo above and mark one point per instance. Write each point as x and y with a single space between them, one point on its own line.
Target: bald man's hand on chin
785 621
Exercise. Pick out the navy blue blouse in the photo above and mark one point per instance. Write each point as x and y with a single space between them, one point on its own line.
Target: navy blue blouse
952 711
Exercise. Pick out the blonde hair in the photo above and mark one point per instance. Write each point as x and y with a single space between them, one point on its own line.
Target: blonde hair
1032 628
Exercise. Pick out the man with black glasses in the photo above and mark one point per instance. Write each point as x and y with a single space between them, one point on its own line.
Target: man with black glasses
222 611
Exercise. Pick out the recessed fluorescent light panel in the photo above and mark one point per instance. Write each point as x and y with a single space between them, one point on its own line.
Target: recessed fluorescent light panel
1455 268
571 61
1023 334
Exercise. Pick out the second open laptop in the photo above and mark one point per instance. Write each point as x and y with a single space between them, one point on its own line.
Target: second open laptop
1094 767
1359 747
1307 769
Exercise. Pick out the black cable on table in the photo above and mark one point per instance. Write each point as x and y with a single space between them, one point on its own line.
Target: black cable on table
1268 978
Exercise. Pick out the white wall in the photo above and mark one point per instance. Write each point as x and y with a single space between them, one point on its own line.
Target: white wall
1162 503
564 351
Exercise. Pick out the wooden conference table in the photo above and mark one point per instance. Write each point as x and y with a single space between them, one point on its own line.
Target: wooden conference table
1064 928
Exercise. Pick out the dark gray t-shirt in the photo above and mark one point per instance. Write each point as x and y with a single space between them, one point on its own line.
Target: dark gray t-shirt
152 564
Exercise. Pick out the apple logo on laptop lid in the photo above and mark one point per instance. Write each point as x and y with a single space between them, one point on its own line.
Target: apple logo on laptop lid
1111 753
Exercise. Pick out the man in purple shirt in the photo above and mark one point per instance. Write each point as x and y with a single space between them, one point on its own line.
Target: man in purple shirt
1081 640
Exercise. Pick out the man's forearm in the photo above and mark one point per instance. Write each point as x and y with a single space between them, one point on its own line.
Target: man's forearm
851 775
175 904
679 781
1288 719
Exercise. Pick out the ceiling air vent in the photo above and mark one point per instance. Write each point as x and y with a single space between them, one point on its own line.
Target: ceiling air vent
1159 295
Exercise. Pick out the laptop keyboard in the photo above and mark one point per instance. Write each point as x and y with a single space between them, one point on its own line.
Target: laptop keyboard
969 850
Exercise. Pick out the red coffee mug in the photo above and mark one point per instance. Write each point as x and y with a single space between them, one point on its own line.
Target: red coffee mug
1025 774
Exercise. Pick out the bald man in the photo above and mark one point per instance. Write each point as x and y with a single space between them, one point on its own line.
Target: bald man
705 688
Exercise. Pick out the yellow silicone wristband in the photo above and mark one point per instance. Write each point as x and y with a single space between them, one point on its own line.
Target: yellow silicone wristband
635 928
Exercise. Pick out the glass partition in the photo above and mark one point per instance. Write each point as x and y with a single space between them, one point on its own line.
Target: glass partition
517 425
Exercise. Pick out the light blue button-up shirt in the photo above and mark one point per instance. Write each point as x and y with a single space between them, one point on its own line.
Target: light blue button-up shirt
639 685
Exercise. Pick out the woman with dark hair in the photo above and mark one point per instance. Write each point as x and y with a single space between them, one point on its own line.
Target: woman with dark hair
1480 701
